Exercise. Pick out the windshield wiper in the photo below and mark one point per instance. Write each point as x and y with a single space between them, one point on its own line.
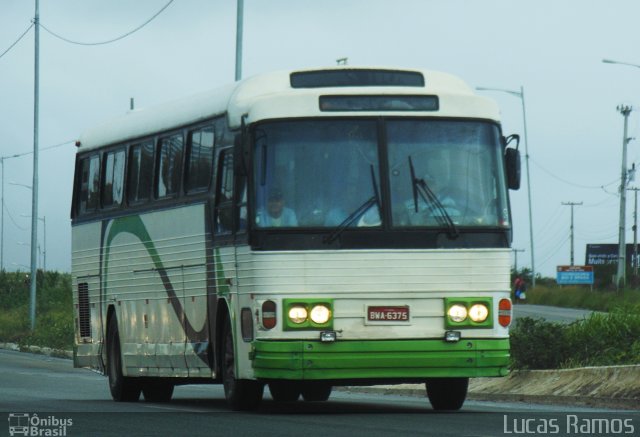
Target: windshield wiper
359 212
436 207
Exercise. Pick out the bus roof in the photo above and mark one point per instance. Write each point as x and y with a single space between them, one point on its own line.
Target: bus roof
289 94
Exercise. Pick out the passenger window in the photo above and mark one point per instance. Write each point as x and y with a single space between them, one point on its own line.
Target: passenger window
89 184
113 179
200 166
169 166
224 200
140 172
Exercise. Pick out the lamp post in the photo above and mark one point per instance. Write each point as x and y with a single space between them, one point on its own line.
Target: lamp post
520 95
34 186
239 31
609 61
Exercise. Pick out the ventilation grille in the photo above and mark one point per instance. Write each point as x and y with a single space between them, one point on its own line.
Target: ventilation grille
84 314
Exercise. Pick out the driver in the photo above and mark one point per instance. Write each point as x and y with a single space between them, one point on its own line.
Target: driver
276 214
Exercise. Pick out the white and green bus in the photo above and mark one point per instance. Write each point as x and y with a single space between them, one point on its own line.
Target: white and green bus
299 230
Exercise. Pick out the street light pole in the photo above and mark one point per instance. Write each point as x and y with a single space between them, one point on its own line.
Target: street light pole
239 30
2 215
520 95
34 192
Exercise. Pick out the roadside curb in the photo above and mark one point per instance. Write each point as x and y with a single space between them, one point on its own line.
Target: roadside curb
50 352
605 387
418 390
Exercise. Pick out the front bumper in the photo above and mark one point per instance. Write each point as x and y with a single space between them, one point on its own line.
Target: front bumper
379 359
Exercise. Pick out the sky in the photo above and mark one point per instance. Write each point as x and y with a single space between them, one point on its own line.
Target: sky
553 49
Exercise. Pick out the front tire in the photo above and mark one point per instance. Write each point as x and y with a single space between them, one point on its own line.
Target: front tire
122 388
160 391
316 391
447 393
241 394
284 391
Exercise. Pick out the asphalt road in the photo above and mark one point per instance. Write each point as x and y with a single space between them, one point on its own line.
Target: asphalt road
552 314
48 392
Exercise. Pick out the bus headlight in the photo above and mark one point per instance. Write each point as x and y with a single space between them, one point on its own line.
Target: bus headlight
457 313
298 314
478 313
320 314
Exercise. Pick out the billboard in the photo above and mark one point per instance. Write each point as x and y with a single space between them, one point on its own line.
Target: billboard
607 254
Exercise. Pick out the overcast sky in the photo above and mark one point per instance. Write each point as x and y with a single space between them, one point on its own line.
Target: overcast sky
554 49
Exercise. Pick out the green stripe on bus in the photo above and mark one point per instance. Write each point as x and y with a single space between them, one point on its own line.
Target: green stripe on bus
379 359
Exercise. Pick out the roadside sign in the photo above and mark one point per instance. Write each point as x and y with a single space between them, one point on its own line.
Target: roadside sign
572 275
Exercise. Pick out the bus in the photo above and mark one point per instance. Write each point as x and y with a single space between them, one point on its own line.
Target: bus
297 230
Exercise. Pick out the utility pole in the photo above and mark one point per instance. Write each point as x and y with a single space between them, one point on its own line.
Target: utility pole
34 192
239 30
635 231
622 262
515 253
571 204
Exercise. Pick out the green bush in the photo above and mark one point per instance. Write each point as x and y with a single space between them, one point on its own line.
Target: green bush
536 344
54 310
600 340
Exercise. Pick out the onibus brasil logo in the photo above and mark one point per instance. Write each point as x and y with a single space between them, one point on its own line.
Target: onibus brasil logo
32 425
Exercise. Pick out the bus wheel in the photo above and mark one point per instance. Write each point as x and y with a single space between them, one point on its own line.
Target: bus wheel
123 389
284 391
316 391
447 393
241 394
157 391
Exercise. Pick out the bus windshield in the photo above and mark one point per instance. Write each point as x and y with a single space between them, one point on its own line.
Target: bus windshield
327 173
459 162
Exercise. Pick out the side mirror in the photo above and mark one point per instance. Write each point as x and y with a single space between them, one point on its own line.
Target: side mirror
512 162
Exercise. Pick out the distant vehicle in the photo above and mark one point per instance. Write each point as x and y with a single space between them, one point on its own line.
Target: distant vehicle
300 230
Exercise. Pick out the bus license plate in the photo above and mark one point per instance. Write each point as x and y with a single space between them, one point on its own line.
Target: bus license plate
388 314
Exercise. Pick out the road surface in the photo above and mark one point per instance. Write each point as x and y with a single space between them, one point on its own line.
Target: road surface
549 313
54 396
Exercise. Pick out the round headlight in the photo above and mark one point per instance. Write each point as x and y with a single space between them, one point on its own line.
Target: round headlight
478 313
320 314
457 313
298 314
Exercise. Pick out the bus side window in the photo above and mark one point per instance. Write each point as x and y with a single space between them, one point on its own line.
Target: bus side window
169 166
200 160
224 195
89 184
113 179
140 172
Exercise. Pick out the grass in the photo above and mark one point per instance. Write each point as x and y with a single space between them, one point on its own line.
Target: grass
54 315
580 297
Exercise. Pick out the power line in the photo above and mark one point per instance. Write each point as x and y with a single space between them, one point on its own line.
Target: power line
14 221
17 41
18 155
590 187
110 40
